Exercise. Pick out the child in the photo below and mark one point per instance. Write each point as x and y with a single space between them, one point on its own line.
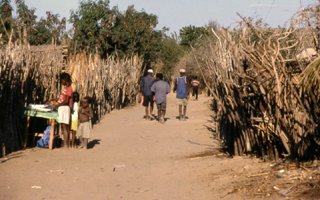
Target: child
74 118
195 88
85 114
64 106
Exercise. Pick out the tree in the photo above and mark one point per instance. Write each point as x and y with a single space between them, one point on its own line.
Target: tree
92 23
26 19
56 26
108 31
48 30
190 34
212 25
170 54
5 19
40 34
134 33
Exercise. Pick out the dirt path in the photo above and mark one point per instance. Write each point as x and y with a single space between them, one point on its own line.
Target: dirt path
131 158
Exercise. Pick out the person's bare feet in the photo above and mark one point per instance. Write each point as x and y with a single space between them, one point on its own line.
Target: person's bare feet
162 120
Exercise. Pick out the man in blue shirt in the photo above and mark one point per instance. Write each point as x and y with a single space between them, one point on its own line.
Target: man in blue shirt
182 88
161 89
145 88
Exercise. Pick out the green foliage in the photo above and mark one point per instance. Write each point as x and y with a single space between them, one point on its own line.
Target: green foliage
96 28
39 34
108 31
190 34
25 21
92 23
47 30
133 33
27 16
56 26
171 52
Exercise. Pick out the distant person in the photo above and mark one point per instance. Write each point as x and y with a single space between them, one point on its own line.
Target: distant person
85 115
161 88
195 87
182 89
74 118
147 96
64 106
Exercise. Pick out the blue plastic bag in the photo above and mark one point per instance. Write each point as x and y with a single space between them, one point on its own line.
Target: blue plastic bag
48 130
44 141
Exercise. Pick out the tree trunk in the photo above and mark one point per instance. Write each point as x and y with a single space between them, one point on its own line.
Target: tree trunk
25 35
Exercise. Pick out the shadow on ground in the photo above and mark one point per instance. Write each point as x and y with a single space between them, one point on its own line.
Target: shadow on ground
10 157
178 117
93 143
207 153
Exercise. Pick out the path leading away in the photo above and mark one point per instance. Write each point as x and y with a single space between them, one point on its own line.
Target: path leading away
129 158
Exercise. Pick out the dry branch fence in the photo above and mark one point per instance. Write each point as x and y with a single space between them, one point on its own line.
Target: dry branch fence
111 83
31 75
266 104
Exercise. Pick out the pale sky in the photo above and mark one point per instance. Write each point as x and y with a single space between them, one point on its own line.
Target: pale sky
176 14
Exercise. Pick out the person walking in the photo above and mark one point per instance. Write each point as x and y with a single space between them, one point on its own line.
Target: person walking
182 89
195 88
161 88
147 98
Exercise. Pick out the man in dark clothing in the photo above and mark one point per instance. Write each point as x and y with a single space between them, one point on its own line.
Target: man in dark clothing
195 87
161 89
147 98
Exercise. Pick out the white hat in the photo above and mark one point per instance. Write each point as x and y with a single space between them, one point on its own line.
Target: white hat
182 70
150 71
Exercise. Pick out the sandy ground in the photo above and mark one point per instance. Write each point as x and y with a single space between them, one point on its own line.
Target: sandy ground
131 158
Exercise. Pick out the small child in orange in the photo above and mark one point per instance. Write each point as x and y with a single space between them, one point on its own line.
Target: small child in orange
85 115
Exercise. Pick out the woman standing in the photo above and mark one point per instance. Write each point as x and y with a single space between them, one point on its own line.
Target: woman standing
64 106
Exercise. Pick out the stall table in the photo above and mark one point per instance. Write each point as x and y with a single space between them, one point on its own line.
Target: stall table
52 116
